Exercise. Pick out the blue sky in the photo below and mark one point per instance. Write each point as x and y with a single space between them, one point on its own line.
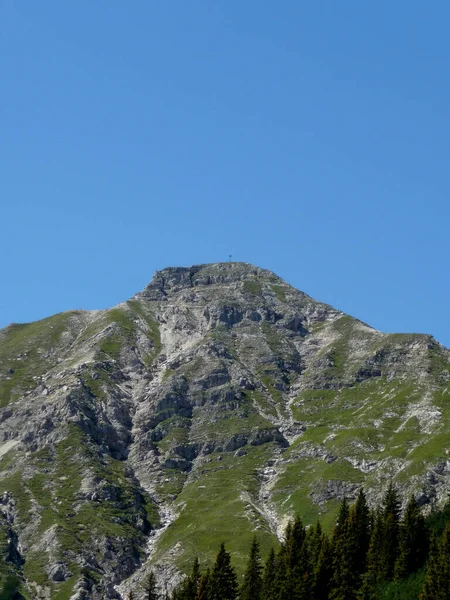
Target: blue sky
310 138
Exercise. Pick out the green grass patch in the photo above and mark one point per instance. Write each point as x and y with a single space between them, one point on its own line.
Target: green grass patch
29 350
275 393
128 322
252 287
217 508
403 590
279 292
292 491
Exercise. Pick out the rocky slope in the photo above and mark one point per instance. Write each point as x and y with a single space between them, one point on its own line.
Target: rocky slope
217 401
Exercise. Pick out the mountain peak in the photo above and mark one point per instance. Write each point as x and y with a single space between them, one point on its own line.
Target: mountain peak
174 279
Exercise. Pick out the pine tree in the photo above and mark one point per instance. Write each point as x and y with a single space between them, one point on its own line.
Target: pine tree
224 584
297 561
270 577
362 531
293 578
372 576
190 586
282 587
445 561
433 587
253 582
341 522
187 589
390 533
324 571
314 543
150 589
345 580
297 539
413 541
303 575
204 587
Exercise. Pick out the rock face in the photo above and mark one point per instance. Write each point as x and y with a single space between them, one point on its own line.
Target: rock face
217 401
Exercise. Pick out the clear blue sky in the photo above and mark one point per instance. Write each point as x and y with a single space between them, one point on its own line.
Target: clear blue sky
310 138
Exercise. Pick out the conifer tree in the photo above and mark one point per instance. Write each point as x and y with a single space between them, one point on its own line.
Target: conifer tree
282 588
293 568
341 522
253 582
433 588
390 533
314 543
324 571
372 576
445 560
224 584
345 580
190 587
204 587
413 541
270 577
362 532
297 560
303 576
297 539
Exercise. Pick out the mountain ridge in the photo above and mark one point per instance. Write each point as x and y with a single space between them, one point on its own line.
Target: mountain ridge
216 401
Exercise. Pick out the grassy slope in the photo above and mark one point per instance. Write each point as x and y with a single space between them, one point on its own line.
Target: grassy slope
217 505
28 350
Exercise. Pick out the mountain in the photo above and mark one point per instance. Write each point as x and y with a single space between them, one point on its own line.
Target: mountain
216 402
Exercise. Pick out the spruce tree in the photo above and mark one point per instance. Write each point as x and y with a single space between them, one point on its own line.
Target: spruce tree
298 537
313 541
445 561
362 532
270 577
433 588
413 541
341 522
390 534
303 575
253 582
190 587
345 580
282 588
293 566
297 561
323 572
203 592
372 576
224 584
